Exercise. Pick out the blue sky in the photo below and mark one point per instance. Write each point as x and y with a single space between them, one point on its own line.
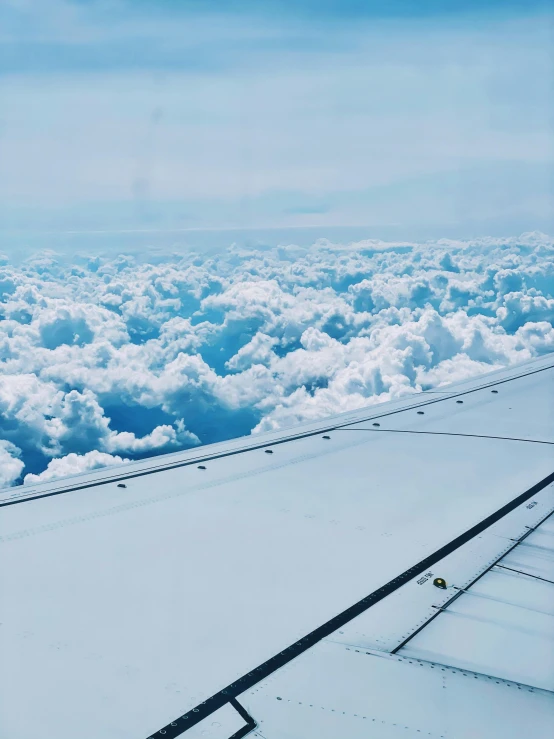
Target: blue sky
243 115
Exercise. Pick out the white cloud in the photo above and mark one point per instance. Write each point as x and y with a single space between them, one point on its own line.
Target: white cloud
161 438
259 350
117 357
73 464
11 466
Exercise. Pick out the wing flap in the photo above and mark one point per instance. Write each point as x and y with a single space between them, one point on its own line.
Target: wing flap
503 625
333 691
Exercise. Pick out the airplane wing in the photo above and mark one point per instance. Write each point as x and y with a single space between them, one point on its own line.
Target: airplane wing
384 573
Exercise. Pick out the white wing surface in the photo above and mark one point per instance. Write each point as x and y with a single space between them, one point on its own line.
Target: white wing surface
386 573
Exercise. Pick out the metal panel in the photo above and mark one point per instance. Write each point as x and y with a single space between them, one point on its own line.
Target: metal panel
533 561
332 692
393 620
159 595
513 588
503 625
223 724
492 638
520 409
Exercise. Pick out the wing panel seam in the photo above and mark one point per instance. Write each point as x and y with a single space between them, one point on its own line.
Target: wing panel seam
446 433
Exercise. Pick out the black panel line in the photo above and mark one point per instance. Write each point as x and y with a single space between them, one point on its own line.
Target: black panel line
114 477
250 723
243 731
460 591
216 701
527 574
447 433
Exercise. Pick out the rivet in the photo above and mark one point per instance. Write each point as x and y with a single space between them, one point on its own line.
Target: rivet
201 467
495 392
420 413
121 485
268 451
459 401
325 437
376 424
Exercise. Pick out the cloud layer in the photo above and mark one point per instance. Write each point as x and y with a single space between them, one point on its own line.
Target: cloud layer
105 360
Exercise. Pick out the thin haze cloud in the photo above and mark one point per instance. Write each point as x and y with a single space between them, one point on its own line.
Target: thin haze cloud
122 116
